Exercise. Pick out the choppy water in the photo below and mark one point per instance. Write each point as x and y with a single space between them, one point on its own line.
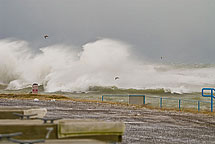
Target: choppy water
61 68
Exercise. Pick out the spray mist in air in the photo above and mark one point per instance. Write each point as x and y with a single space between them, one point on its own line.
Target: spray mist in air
61 68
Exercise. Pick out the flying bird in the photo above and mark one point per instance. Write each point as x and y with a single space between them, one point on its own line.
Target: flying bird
46 36
116 78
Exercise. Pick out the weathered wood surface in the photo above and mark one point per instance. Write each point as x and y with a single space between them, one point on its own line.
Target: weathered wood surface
31 129
8 112
37 129
66 141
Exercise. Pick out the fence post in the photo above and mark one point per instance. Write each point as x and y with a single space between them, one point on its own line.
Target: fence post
161 102
211 104
211 95
198 105
212 99
179 104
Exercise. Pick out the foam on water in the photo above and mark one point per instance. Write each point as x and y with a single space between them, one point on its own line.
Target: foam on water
61 68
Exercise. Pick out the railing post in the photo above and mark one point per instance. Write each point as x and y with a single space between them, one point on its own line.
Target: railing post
211 95
179 104
212 99
161 102
211 104
198 105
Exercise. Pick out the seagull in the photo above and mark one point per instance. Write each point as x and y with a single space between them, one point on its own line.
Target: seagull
116 78
46 36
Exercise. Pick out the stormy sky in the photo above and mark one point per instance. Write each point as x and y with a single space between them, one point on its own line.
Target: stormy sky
181 31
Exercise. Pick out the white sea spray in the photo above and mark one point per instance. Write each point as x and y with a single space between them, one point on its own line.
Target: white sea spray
61 68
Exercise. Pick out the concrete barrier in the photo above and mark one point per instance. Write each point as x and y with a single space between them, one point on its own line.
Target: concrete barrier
136 99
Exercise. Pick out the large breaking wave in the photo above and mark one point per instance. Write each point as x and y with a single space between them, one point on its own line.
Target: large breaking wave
61 68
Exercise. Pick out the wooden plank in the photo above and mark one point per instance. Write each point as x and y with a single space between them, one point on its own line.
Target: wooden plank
67 141
31 129
36 129
6 112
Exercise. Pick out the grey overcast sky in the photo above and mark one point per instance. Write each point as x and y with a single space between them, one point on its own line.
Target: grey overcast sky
182 31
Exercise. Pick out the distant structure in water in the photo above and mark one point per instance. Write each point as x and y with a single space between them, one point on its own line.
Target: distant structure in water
34 88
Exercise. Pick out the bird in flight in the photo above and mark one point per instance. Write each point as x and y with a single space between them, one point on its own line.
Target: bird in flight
46 36
116 78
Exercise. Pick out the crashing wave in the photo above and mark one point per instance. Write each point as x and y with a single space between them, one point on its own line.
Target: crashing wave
61 68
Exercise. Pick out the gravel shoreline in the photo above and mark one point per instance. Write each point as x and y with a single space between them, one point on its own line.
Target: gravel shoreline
142 125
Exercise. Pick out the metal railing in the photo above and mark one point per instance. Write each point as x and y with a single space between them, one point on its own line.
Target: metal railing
211 95
180 103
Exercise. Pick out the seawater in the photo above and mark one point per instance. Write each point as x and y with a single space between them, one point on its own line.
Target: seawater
62 69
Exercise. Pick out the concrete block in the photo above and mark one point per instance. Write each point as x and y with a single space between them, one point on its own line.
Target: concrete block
139 100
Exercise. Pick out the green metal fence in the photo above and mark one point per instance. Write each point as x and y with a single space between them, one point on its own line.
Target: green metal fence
162 102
